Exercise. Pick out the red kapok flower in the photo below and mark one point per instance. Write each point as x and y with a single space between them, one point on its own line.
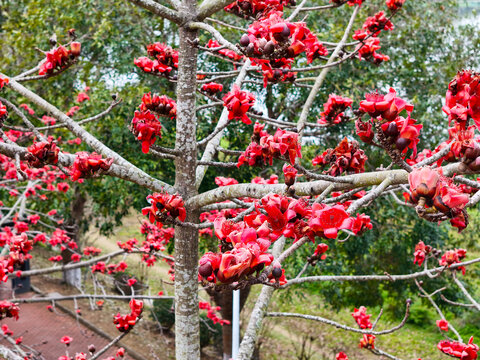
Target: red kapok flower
423 183
290 174
442 324
41 153
327 221
146 128
341 356
394 4
459 350
86 165
238 102
164 206
66 340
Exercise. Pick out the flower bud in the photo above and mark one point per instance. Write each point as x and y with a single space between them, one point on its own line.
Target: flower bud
75 48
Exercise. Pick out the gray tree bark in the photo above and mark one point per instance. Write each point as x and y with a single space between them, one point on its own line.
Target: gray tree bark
187 343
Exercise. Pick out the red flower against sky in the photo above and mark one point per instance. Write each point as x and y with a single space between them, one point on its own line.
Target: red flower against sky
333 109
164 206
41 153
86 165
347 156
161 105
238 102
459 350
146 128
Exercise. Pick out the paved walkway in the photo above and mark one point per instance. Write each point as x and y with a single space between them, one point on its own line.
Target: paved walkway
42 331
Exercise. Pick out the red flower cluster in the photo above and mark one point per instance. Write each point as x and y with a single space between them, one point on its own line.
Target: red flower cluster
41 153
232 55
8 310
341 356
3 112
125 323
164 206
367 49
388 106
166 59
290 174
440 192
264 147
347 156
394 5
375 24
361 317
274 38
333 109
211 313
256 8
421 250
91 251
212 88
161 105
367 342
86 165
462 101
248 256
453 257
59 58
238 102
3 81
459 350
82 96
320 251
146 127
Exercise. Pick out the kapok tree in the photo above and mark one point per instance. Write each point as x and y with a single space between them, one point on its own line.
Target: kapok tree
258 224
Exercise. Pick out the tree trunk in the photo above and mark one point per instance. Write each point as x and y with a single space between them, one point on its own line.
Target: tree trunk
187 340
224 299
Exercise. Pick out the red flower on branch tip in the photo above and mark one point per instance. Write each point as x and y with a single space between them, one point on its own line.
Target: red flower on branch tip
3 81
290 174
459 350
421 250
367 342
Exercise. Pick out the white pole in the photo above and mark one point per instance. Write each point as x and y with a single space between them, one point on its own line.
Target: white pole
235 323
